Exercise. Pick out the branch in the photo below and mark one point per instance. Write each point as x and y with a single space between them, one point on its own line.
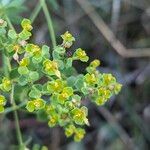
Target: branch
109 35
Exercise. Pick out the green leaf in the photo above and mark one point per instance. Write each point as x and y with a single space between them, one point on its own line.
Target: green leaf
36 60
33 76
60 64
23 70
71 81
79 82
35 93
55 55
14 73
12 34
45 51
69 63
41 116
2 31
24 35
85 90
23 80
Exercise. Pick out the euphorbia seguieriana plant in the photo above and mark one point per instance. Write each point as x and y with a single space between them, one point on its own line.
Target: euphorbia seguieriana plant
48 82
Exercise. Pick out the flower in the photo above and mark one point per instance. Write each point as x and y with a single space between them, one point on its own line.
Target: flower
100 100
36 104
69 130
81 55
117 88
65 94
104 92
95 63
108 78
2 103
68 39
26 24
33 50
79 134
79 115
55 86
53 120
90 79
51 67
6 84
24 62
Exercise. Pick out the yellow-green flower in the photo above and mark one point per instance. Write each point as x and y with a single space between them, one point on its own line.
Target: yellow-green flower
24 62
53 120
79 115
68 39
65 94
33 49
50 109
104 92
90 79
56 86
36 104
100 100
51 68
69 130
108 78
81 55
117 88
95 63
79 134
26 24
2 103
6 84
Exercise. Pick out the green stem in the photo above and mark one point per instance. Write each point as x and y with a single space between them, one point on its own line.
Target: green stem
35 12
19 136
6 66
10 109
49 22
9 23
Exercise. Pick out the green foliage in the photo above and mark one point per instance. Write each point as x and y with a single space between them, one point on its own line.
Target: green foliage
63 86
12 8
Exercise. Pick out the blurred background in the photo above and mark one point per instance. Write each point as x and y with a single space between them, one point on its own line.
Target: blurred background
117 32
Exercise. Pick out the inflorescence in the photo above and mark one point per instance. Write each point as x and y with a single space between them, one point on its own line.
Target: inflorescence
53 85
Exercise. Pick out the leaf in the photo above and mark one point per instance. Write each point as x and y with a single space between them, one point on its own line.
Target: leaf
23 80
41 116
69 63
12 34
35 93
71 81
23 70
45 51
24 35
14 73
33 76
79 82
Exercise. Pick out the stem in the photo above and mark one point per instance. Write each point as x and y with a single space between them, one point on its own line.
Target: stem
35 12
19 136
49 22
9 23
10 109
6 65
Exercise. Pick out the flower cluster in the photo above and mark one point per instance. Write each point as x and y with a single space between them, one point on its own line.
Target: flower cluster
53 86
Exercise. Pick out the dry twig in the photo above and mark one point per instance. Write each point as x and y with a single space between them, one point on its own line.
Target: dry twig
109 35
